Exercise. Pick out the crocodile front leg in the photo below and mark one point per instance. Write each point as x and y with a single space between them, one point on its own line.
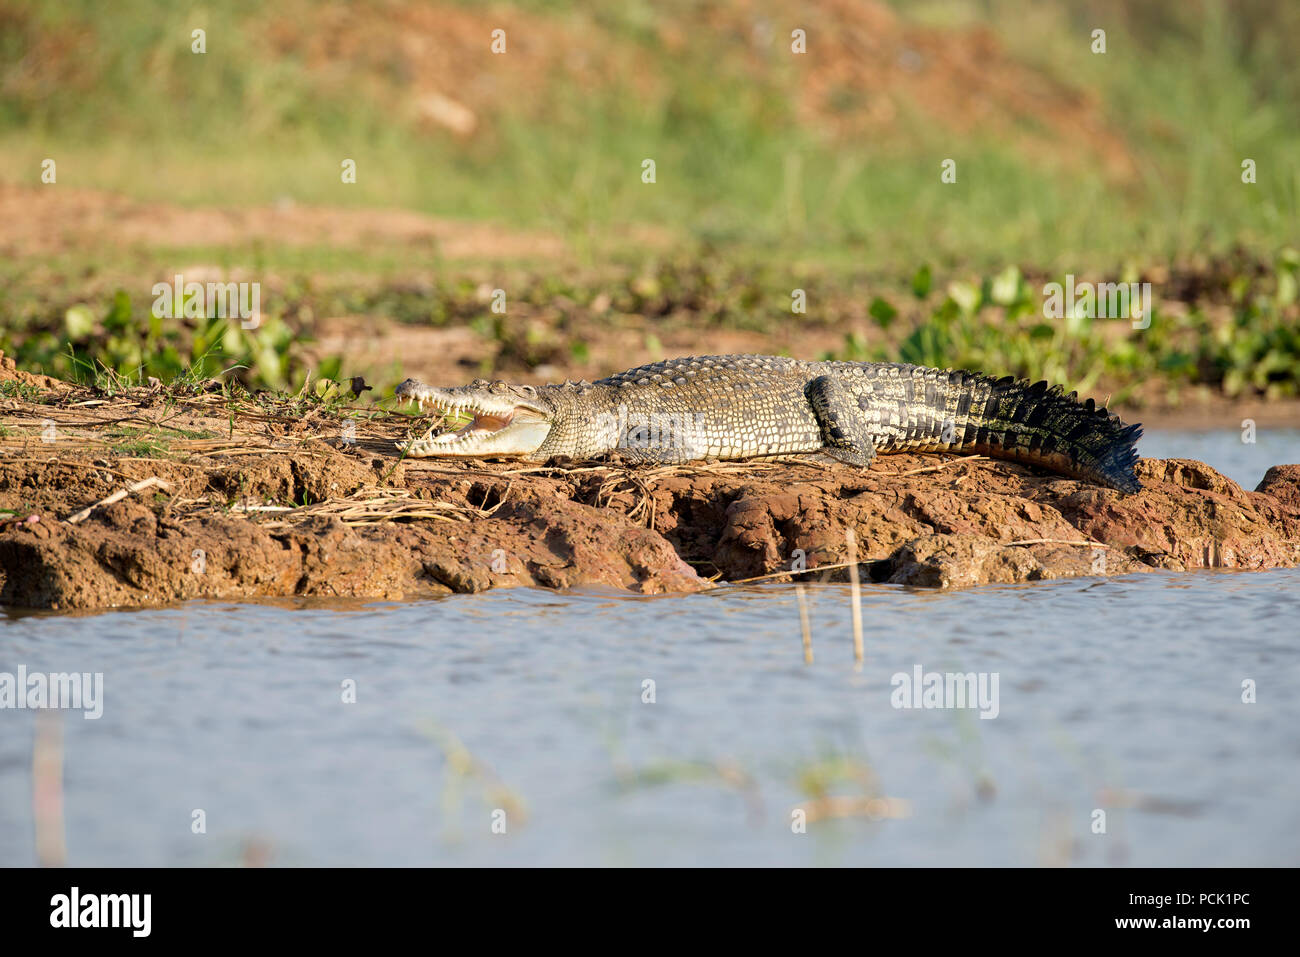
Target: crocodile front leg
845 431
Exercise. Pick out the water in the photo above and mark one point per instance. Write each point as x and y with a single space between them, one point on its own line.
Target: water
1243 462
1119 694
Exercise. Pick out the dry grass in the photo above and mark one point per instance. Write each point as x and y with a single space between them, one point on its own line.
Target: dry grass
372 506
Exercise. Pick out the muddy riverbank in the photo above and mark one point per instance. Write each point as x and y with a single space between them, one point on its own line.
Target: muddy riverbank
249 496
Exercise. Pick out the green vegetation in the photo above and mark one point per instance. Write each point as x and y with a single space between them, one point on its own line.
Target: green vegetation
125 346
1248 344
1185 91
1237 335
774 171
13 389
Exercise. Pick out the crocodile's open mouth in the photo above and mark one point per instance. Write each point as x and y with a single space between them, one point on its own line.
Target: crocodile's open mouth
496 426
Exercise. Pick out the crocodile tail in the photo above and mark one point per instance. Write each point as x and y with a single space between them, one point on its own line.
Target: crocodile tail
1042 425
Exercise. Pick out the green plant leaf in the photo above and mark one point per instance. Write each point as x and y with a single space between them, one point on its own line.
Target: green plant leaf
882 312
922 281
78 322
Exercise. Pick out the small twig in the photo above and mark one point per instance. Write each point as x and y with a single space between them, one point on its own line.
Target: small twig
47 789
80 465
1055 541
804 571
807 462
141 458
855 590
937 468
501 501
803 622
117 496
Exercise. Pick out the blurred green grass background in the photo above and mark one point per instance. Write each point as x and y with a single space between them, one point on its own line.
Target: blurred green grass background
829 161
1189 88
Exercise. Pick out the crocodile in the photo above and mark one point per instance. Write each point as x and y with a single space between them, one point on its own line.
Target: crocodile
754 406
